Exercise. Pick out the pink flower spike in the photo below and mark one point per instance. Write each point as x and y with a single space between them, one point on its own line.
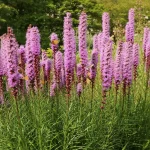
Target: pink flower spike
106 24
82 32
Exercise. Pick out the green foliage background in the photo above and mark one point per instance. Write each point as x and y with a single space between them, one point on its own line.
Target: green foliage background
48 15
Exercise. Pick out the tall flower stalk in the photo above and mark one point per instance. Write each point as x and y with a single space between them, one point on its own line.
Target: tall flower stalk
73 53
48 68
99 40
95 42
135 59
4 41
36 49
106 24
29 70
12 65
79 72
105 39
118 66
22 61
93 67
147 63
54 47
93 70
145 40
127 67
53 87
43 63
82 32
131 23
63 82
68 52
147 54
3 65
58 66
127 32
106 70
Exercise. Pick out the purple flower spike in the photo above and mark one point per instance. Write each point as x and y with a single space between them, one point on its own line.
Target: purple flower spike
135 59
118 65
105 39
35 41
54 47
131 22
145 40
59 61
106 24
127 65
74 50
68 52
136 54
131 16
12 65
100 36
107 66
21 50
58 65
127 32
95 42
22 62
43 65
82 31
147 54
22 58
30 71
62 77
79 72
93 67
44 56
36 50
3 53
48 67
65 31
53 88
